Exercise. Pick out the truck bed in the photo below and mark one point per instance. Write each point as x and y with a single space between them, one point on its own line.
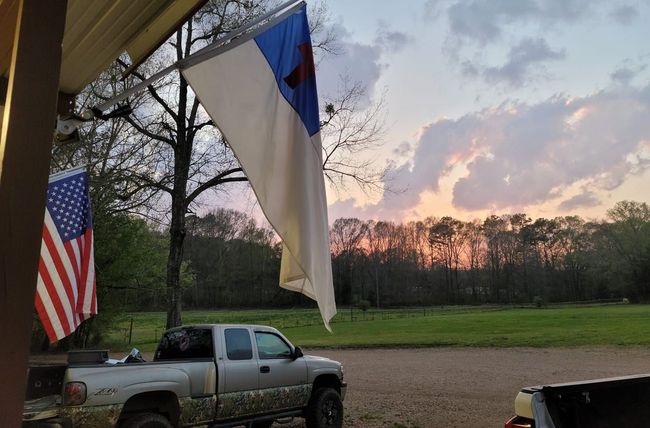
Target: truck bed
599 403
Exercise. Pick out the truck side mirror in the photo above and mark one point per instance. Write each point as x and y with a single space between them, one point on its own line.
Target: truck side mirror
297 352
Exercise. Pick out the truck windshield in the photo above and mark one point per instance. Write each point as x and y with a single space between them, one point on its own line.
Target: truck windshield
185 343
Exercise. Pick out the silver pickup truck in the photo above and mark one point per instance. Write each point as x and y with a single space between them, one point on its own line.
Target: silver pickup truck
214 375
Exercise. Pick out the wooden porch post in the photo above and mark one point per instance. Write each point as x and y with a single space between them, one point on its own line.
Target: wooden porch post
25 148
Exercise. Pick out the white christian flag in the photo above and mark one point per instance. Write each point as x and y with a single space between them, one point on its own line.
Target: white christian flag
261 93
65 292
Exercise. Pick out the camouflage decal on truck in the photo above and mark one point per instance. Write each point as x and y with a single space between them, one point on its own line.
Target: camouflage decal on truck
286 397
93 416
241 403
246 403
196 410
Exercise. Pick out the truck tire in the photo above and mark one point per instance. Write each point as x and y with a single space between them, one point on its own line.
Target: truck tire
147 420
325 409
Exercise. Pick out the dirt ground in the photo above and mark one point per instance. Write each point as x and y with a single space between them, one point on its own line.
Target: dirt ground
458 387
466 387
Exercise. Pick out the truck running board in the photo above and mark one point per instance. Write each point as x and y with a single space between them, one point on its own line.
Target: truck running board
250 421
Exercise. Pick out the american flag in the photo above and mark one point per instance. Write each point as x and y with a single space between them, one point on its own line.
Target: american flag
65 294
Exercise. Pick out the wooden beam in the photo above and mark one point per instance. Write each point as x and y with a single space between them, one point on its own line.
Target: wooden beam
3 91
25 145
65 103
159 31
8 13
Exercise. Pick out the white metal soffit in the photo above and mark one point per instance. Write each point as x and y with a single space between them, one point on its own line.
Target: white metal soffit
98 31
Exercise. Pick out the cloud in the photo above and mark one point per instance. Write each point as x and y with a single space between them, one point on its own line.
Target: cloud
627 72
623 75
356 62
391 41
481 20
518 155
353 63
583 200
524 63
484 21
624 14
482 28
347 208
403 149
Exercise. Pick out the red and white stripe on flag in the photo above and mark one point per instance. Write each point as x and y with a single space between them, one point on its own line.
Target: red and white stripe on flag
66 291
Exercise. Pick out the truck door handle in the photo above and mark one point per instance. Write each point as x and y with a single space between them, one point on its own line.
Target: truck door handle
265 369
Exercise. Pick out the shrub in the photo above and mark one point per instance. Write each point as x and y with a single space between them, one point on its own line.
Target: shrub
364 305
539 301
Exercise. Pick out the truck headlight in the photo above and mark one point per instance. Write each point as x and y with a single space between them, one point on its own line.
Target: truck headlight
74 394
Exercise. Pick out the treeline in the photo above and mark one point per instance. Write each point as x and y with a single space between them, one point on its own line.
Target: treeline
230 261
502 259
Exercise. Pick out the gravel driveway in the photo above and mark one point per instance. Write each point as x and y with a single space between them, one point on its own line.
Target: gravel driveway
458 387
462 387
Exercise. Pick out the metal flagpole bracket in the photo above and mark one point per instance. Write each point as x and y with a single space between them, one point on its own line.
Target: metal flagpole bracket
67 126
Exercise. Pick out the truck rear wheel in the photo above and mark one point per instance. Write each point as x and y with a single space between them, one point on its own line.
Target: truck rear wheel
325 409
147 420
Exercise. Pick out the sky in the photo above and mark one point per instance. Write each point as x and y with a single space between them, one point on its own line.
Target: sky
498 106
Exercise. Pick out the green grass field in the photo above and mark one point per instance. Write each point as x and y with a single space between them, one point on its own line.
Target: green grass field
608 325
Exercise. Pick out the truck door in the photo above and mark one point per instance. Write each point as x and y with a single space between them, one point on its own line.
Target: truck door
240 370
282 380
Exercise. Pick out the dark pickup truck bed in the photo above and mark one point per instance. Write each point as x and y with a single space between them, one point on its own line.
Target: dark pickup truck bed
601 403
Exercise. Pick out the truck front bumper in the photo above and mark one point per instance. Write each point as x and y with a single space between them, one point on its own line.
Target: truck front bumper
344 388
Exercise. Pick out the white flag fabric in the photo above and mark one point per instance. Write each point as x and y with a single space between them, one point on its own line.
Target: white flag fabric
262 95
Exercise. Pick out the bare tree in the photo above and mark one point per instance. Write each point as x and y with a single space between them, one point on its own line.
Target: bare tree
175 154
346 235
113 153
447 238
474 254
349 131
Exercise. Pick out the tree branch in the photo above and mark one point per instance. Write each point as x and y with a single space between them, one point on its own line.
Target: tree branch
152 91
148 133
215 181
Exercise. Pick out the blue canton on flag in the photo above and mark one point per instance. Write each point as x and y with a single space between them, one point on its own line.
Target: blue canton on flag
67 201
287 48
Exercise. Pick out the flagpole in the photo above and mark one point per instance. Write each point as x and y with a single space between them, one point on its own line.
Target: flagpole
204 53
89 114
244 28
67 172
201 56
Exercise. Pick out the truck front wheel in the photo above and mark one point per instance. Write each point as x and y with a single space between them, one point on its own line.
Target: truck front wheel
147 420
325 409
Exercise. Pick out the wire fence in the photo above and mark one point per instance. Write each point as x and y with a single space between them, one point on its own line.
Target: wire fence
135 329
147 327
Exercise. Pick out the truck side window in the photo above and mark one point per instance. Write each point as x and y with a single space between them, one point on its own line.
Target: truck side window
271 346
238 344
184 343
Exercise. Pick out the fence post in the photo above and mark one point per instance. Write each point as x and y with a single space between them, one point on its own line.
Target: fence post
131 330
